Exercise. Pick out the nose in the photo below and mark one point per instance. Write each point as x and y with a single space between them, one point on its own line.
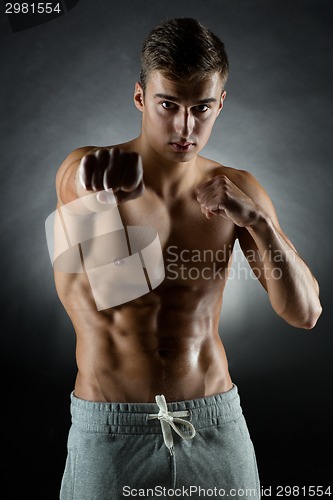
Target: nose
184 123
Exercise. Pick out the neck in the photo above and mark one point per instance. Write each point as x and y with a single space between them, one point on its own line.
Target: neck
167 178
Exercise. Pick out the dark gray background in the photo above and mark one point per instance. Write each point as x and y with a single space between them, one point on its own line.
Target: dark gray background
69 83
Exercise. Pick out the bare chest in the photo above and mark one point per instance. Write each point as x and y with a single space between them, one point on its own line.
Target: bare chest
188 239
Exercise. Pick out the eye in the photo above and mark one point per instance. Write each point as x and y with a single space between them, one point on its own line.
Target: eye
202 108
168 105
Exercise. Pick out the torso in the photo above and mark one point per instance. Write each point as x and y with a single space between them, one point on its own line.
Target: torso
166 341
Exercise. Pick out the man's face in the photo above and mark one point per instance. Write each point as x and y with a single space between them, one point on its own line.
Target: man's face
178 117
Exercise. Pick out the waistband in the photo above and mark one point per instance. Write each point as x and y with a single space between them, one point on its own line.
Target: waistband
135 418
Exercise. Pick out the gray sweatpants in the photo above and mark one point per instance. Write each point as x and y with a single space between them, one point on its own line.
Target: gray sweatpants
188 449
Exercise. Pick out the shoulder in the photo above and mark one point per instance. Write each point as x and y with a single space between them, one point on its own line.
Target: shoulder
243 179
73 157
64 184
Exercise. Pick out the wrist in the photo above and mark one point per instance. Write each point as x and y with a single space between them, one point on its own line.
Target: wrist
261 224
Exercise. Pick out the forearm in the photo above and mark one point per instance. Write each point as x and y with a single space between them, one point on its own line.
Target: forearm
292 289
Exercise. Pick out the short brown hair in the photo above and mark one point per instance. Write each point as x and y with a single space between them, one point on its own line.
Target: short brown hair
183 49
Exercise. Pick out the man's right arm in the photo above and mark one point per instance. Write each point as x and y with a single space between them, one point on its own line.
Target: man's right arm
90 169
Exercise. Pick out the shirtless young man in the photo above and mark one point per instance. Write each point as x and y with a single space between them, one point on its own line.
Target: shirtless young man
166 342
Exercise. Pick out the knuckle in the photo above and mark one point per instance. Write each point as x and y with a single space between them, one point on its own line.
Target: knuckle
102 153
114 150
222 180
88 159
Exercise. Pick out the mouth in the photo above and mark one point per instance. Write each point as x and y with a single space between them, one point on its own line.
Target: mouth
182 146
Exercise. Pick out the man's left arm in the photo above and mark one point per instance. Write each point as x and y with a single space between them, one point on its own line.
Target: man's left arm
292 289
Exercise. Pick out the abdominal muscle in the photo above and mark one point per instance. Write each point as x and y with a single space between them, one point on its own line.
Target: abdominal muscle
165 342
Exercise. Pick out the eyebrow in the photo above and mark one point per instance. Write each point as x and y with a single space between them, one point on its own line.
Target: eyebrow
176 99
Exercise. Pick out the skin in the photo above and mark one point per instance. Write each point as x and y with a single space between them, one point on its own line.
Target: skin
167 341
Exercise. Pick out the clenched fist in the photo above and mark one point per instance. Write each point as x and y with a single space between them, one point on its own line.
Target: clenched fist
114 169
220 196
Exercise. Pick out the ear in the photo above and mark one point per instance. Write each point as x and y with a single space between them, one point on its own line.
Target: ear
138 96
223 96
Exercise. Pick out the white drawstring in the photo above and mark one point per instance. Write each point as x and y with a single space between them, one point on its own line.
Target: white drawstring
169 419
